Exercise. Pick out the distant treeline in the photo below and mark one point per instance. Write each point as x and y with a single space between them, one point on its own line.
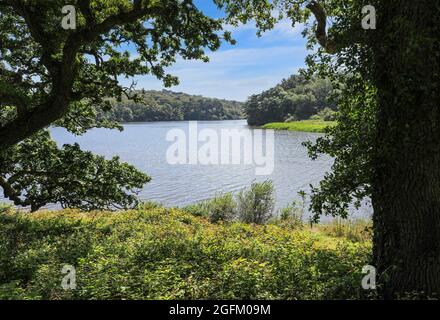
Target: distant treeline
293 99
167 105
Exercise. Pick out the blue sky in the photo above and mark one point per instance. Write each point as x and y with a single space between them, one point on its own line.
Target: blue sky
236 72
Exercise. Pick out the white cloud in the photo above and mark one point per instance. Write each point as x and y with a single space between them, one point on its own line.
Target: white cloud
234 74
282 30
250 67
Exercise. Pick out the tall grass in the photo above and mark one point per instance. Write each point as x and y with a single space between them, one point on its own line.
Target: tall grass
350 229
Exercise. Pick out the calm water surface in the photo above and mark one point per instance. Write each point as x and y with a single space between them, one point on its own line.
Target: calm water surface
144 145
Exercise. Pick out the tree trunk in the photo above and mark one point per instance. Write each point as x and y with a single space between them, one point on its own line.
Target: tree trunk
406 185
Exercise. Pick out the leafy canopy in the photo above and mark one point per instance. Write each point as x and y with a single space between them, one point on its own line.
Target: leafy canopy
51 76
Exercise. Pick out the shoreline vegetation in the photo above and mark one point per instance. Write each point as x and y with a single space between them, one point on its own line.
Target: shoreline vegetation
168 253
168 105
228 247
317 126
294 99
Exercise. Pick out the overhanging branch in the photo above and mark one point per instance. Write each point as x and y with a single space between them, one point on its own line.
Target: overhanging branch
63 72
11 194
13 97
321 29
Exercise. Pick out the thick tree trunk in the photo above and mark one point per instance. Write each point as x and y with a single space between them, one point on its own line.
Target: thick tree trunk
406 186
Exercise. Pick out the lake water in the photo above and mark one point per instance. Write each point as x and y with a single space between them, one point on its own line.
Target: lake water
145 146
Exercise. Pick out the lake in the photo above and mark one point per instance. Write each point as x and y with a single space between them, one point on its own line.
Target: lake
145 146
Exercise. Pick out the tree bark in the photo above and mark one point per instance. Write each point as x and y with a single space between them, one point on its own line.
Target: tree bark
406 185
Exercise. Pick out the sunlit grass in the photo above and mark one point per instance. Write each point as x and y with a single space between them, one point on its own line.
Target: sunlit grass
304 126
358 230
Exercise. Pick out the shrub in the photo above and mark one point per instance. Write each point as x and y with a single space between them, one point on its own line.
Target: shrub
247 279
291 118
327 114
221 208
169 254
197 210
148 205
256 204
293 214
353 230
4 207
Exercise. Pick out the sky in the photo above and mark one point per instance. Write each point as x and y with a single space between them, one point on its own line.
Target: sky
236 72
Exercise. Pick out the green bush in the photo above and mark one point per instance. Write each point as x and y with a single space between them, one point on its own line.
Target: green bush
291 118
293 214
148 205
197 210
221 208
327 114
256 204
4 207
355 230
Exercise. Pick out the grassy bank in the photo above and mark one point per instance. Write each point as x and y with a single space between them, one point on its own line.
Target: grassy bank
305 126
160 253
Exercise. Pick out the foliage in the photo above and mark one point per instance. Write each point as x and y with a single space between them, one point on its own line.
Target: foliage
52 76
327 114
356 230
350 143
169 254
256 204
221 208
295 98
4 207
293 214
45 174
386 143
172 106
292 118
148 205
305 125
344 60
197 209
252 205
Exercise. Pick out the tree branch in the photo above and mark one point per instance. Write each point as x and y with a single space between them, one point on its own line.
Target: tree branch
11 96
84 6
321 32
11 194
62 73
